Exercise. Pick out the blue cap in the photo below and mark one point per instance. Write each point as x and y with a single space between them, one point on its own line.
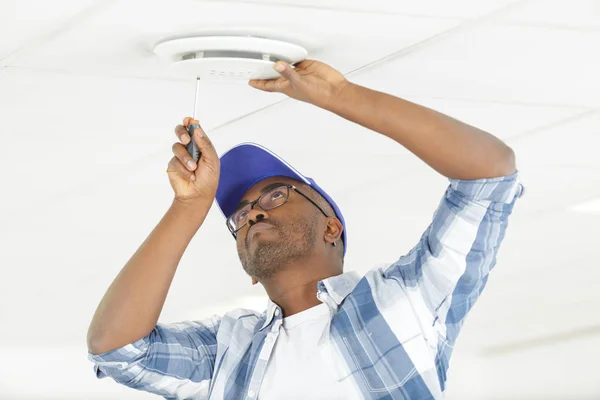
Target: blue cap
249 163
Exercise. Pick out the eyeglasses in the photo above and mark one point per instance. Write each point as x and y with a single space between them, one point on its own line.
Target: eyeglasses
274 198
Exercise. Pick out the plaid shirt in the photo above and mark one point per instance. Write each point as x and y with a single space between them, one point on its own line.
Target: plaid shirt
391 332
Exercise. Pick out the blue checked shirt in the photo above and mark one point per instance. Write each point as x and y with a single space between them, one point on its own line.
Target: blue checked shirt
391 332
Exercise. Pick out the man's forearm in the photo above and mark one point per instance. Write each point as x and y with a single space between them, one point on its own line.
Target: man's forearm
453 148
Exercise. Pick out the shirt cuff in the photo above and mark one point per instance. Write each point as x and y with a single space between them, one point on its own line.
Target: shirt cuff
118 358
503 189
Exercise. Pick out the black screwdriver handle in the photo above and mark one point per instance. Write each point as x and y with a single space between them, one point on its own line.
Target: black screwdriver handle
192 147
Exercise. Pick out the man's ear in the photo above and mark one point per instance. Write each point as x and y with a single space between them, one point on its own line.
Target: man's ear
334 230
254 281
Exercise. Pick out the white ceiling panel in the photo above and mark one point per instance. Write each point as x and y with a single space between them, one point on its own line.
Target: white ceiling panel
574 143
118 40
436 8
543 267
32 22
503 63
552 188
65 360
566 370
576 14
587 207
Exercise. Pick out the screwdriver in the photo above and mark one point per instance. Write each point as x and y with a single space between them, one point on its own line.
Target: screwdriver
192 147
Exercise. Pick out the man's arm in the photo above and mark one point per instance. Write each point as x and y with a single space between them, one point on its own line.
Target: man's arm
132 304
453 148
448 269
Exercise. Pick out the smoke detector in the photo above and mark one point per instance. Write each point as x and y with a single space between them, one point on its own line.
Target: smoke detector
230 57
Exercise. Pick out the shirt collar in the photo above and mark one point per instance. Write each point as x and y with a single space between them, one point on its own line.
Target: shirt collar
336 287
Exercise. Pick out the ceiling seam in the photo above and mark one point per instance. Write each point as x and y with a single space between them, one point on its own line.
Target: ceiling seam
545 25
535 215
435 38
564 166
567 120
502 102
88 75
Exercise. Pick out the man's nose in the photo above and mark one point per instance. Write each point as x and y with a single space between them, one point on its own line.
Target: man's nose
256 215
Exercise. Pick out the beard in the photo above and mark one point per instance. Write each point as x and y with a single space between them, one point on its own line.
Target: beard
293 242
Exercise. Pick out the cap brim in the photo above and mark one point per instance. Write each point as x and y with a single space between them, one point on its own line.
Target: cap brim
245 165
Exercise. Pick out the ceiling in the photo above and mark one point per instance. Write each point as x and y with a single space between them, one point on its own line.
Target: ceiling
86 120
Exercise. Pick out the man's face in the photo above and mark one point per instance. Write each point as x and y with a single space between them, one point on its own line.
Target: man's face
273 238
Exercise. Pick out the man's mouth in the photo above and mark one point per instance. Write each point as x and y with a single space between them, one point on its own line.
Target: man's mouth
257 227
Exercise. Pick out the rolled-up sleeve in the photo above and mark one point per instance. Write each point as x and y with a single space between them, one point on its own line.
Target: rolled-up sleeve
174 360
449 266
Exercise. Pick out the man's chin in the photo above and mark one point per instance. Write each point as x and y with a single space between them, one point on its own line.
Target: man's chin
262 255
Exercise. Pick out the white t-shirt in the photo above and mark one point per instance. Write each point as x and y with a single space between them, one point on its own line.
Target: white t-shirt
300 366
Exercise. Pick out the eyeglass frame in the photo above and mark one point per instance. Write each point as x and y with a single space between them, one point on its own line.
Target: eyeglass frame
253 203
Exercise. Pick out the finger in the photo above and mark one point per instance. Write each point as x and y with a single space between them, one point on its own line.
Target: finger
183 156
304 64
186 121
287 72
267 85
182 134
176 166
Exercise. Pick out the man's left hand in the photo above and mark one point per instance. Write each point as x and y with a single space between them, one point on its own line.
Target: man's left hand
310 81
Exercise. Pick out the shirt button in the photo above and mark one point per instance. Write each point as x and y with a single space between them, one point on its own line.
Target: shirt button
269 339
277 312
251 394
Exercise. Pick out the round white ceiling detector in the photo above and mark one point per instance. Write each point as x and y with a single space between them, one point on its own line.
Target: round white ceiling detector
228 58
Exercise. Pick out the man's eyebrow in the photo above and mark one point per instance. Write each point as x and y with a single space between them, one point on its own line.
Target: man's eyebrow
263 190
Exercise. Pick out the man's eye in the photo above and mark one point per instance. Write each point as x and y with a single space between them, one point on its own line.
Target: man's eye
241 215
277 195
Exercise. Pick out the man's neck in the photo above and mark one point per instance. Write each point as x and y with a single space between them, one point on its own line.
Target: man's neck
294 288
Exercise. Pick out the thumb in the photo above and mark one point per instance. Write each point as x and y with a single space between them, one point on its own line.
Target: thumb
209 154
288 72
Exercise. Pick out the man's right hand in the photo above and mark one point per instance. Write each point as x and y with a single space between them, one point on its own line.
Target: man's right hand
191 181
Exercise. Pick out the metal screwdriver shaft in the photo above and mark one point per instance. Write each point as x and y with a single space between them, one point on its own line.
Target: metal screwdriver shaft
196 97
192 147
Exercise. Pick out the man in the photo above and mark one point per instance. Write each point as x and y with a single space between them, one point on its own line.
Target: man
325 334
